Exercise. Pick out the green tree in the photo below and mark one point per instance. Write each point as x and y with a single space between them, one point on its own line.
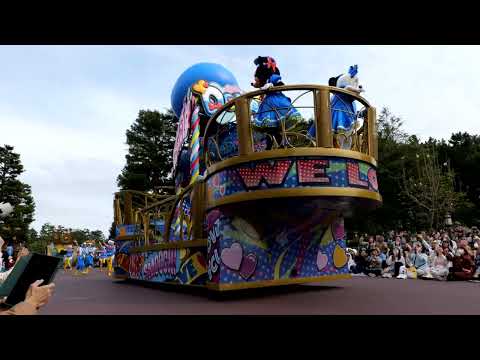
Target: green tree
80 236
46 233
112 231
432 188
150 142
17 193
97 235
394 145
462 153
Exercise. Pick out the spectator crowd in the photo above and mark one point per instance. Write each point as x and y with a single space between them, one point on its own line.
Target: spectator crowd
448 254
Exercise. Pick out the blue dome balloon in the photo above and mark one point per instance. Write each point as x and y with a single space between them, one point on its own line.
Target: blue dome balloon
200 71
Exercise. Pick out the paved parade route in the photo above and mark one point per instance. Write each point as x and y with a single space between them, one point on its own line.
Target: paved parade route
96 294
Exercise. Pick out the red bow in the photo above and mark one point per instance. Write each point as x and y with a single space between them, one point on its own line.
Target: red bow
271 64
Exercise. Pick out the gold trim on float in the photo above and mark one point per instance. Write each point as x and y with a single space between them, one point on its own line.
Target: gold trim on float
298 192
167 283
282 153
120 277
127 237
170 245
265 283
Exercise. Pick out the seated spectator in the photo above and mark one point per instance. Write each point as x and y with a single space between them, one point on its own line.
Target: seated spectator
351 253
463 264
394 262
360 263
383 255
448 252
419 259
477 259
439 269
371 243
398 241
374 264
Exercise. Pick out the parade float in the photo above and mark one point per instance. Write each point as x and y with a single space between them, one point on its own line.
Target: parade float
61 240
252 207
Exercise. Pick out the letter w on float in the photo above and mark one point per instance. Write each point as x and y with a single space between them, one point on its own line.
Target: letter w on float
270 174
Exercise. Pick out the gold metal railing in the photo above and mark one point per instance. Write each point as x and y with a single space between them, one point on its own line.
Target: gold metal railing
362 138
139 208
132 207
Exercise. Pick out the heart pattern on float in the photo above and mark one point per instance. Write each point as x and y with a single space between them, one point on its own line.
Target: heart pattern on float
222 190
248 266
322 260
232 256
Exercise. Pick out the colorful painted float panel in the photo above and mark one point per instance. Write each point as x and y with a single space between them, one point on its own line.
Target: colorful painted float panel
280 242
292 172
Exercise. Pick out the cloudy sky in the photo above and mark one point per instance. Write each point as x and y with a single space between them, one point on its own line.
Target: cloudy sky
65 109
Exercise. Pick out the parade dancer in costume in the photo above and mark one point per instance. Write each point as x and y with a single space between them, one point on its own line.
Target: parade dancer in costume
102 257
80 260
68 258
110 256
342 106
275 111
88 258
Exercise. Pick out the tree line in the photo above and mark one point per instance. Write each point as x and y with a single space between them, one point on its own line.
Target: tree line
17 226
421 182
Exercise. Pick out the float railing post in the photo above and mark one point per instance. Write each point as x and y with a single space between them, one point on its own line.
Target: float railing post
323 118
372 132
242 113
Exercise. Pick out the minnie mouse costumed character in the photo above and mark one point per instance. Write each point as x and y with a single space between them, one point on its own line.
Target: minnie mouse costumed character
275 107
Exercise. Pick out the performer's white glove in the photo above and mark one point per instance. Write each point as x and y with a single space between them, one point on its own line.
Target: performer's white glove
266 86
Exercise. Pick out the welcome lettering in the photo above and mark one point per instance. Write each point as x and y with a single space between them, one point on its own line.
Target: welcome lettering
312 171
271 174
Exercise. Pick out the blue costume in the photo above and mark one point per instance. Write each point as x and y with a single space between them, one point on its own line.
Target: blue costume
89 257
67 259
80 259
343 112
275 108
343 109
